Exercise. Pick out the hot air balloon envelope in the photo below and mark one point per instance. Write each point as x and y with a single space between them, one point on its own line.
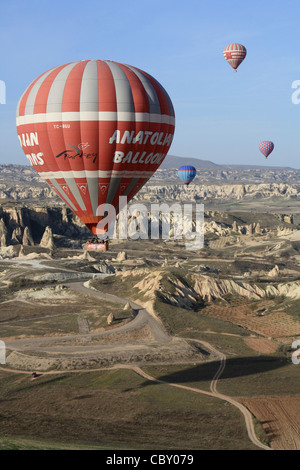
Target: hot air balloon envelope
266 147
234 54
187 174
95 130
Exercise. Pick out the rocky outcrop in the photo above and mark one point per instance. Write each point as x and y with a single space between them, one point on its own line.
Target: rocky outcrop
8 252
16 235
110 318
3 233
189 291
47 239
3 240
27 239
104 268
235 227
287 218
87 256
222 191
209 288
21 252
121 256
64 215
26 225
274 272
63 221
258 229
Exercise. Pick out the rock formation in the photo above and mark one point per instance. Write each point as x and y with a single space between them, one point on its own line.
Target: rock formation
17 235
3 233
47 239
258 229
3 240
21 252
193 288
250 229
121 256
274 272
104 268
86 255
234 227
27 239
110 319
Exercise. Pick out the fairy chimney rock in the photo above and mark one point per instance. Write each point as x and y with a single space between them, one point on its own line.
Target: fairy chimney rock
27 239
47 239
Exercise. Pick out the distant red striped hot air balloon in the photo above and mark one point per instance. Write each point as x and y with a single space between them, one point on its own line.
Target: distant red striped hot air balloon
95 130
234 54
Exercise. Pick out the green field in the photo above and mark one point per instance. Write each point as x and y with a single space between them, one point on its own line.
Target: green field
113 409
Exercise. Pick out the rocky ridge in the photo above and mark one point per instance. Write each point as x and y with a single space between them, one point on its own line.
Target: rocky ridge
187 291
46 226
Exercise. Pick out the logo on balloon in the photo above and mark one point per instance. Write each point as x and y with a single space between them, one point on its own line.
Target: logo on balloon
77 151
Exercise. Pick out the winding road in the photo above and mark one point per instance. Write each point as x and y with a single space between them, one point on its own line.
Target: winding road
142 317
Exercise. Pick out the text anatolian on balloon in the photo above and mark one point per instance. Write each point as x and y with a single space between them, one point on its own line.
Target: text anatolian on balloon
142 137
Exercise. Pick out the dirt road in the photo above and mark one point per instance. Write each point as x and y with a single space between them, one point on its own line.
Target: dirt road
56 343
142 317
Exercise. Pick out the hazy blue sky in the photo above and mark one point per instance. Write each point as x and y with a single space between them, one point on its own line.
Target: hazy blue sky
220 115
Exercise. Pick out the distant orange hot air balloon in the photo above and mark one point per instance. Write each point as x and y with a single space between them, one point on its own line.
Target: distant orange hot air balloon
234 54
95 130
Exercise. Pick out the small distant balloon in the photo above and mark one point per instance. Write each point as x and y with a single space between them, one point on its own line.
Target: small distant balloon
234 54
187 173
266 147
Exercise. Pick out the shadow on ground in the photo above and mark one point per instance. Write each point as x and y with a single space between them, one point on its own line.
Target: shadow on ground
235 368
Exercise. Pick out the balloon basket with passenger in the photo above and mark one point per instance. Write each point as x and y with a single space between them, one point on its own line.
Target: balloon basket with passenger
97 245
98 242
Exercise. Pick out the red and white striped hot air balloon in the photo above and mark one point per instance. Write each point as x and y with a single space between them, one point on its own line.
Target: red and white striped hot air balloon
95 130
235 54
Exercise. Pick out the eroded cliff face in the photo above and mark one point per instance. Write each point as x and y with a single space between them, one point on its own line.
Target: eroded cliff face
29 206
219 191
26 225
187 291
34 225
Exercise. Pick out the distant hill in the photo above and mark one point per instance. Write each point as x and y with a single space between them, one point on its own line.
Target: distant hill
172 161
253 167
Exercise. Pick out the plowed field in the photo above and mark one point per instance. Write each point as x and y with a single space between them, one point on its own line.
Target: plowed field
280 417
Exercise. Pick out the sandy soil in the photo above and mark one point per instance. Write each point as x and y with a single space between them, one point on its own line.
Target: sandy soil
262 345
